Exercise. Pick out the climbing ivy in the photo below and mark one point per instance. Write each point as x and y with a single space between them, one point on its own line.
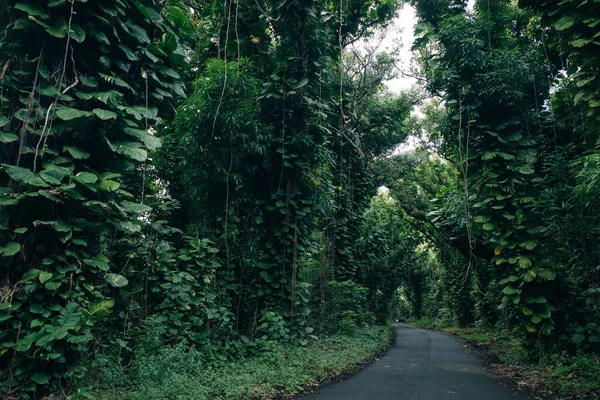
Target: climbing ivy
492 76
80 87
570 42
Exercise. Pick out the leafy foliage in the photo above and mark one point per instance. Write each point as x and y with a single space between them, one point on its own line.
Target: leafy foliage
105 231
79 95
138 222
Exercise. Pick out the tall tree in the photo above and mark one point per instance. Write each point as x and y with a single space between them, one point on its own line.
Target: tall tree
79 83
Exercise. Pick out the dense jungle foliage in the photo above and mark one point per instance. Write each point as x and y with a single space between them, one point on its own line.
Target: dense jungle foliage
199 182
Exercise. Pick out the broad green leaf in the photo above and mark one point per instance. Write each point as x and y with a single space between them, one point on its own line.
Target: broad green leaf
40 378
10 249
149 13
21 175
80 242
583 82
179 19
45 276
37 322
48 90
128 52
164 93
108 185
524 262
151 141
179 89
99 36
138 32
86 177
489 226
511 290
53 174
133 150
528 276
77 33
36 309
52 286
302 83
564 23
20 230
32 9
151 56
531 328
545 313
526 170
546 275
49 196
104 114
67 113
3 121
140 112
115 80
8 137
100 261
547 329
580 42
61 226
116 280
37 181
101 309
75 153
529 245
57 29
170 72
506 156
7 201
135 207
90 82
31 274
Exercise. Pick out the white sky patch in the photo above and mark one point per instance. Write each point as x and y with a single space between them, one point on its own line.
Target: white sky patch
399 38
401 32
410 144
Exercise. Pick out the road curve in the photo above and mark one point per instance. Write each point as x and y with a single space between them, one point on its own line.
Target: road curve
422 365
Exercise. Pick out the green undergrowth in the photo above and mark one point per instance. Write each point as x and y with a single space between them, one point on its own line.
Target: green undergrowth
558 376
179 372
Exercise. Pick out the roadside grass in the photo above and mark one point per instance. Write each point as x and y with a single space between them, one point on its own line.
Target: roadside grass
179 373
555 376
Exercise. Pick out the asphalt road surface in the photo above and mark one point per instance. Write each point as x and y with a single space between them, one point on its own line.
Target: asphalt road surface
422 365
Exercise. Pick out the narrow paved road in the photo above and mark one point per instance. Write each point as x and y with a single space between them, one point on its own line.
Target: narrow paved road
422 365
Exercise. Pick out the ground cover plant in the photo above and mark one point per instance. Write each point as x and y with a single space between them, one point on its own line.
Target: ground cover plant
282 370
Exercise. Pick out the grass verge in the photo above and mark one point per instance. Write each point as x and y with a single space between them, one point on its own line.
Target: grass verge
555 376
286 371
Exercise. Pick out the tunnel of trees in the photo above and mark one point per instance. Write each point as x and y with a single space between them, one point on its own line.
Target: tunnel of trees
228 174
